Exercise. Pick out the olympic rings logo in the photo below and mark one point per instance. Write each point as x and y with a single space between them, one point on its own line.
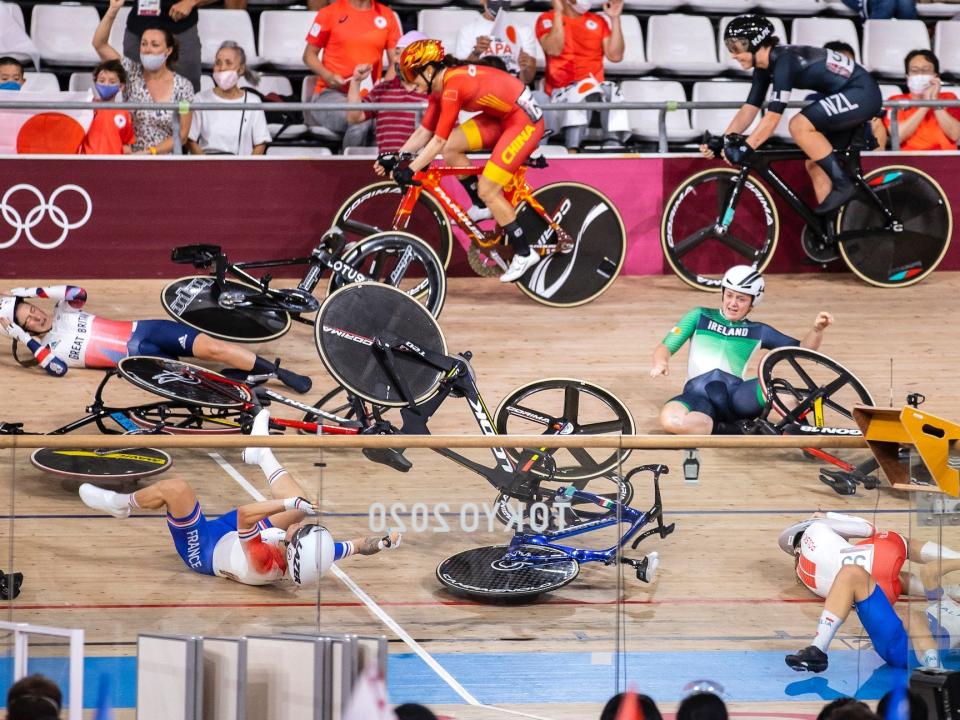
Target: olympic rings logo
25 225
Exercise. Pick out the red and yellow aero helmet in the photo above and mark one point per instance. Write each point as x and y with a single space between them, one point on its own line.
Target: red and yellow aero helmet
418 55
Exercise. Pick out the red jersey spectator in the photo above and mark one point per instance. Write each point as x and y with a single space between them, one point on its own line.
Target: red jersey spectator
111 132
348 33
576 41
393 127
926 128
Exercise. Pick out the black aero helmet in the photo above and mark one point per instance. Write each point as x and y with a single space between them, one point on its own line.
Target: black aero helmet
749 30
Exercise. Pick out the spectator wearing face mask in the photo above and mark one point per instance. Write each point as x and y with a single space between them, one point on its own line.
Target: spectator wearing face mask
111 132
926 128
11 74
215 132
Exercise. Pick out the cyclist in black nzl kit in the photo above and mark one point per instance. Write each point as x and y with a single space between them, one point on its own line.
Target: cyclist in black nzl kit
851 97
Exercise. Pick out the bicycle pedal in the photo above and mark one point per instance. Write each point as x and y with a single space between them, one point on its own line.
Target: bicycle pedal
391 457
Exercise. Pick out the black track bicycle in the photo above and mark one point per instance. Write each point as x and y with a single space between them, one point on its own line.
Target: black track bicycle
247 309
893 233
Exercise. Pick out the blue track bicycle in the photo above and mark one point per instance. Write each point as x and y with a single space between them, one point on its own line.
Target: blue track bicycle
535 562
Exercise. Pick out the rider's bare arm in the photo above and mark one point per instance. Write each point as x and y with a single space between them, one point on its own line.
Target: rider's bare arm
428 153
814 336
764 129
661 361
738 124
418 138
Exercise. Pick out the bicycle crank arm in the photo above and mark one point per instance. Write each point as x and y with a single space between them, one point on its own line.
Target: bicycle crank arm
646 568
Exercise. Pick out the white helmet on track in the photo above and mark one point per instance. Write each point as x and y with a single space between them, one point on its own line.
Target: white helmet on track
744 279
309 554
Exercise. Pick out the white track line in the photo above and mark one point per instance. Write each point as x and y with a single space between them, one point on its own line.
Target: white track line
378 611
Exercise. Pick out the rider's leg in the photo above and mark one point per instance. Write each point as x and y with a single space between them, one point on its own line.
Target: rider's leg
820 150
172 494
677 419
281 483
209 348
819 179
466 137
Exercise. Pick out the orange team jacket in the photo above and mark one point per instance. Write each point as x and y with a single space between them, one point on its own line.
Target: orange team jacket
582 53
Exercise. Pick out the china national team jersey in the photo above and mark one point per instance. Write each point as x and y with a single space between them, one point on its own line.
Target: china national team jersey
350 37
473 88
719 344
582 53
108 133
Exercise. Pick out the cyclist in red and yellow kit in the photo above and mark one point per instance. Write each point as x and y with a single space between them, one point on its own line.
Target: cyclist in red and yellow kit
510 123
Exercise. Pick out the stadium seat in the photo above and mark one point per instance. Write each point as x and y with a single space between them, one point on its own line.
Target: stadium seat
444 24
119 29
779 29
946 45
17 13
62 33
306 93
365 151
292 151
16 44
644 124
80 81
651 5
736 7
683 44
279 84
782 130
836 7
40 82
886 43
938 9
283 36
634 62
216 26
421 3
523 18
887 90
790 8
817 31
206 83
513 3
550 150
716 120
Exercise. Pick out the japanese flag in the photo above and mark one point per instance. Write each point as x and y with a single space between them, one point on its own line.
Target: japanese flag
33 131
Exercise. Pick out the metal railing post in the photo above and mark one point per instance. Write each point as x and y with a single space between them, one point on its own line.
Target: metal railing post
894 130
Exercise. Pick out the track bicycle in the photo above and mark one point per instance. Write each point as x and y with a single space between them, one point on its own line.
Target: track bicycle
247 309
386 351
577 229
536 562
893 233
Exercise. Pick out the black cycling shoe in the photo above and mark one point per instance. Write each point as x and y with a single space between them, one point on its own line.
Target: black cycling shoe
811 659
391 457
837 198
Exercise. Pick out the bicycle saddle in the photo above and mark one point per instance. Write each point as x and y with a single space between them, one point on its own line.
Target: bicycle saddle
197 255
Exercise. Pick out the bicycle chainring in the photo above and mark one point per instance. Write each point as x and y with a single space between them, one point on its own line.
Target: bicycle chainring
483 263
815 249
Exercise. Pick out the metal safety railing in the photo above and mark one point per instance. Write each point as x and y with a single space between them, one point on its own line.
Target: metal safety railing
662 108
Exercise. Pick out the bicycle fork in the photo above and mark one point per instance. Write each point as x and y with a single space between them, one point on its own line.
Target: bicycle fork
725 220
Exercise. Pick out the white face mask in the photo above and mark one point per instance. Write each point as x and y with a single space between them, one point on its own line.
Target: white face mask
918 83
226 80
582 6
152 62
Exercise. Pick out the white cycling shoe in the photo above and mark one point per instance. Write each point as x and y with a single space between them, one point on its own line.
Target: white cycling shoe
519 265
479 214
261 426
103 500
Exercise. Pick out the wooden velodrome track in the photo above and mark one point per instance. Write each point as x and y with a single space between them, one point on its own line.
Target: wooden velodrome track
725 606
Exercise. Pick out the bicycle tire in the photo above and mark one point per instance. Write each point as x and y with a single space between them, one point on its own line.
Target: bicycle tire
352 317
189 300
184 382
376 204
792 374
607 412
189 420
88 464
889 258
691 216
590 217
390 257
575 513
482 574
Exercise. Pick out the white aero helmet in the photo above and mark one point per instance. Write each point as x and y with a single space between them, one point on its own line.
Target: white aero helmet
8 308
309 554
789 538
744 279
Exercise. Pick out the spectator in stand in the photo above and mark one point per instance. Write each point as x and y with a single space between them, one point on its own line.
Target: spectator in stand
213 132
11 74
647 706
828 711
884 9
111 132
152 79
908 706
702 706
34 697
576 41
348 33
474 42
175 17
925 128
393 127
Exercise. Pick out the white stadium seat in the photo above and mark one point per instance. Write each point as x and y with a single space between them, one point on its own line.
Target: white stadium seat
119 29
683 44
40 82
365 151
779 28
16 44
206 83
445 24
279 84
80 81
946 46
17 13
716 120
886 43
306 93
651 5
938 9
644 124
736 7
791 7
783 128
216 26
889 90
62 33
634 62
818 31
304 153
528 19
283 37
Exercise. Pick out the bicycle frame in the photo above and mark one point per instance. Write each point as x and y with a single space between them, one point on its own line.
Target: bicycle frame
617 514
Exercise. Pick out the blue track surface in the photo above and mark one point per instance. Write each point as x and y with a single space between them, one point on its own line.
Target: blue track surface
748 676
